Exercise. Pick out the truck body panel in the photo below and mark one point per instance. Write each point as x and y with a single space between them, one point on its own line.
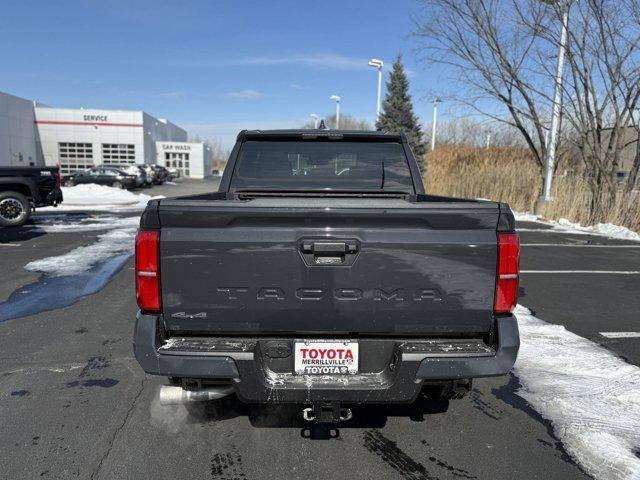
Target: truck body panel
240 266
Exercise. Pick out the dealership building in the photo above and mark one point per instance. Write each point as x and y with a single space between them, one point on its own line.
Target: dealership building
76 139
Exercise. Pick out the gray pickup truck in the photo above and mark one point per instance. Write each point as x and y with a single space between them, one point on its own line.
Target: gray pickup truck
322 274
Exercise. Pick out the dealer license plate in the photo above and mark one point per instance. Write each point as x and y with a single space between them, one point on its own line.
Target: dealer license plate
326 357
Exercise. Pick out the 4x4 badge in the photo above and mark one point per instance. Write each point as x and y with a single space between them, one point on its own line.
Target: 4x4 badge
189 315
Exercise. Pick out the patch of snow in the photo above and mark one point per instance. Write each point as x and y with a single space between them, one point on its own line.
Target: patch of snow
604 229
608 230
526 217
100 197
81 259
591 396
66 223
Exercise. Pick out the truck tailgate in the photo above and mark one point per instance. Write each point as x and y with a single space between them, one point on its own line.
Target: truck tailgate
323 266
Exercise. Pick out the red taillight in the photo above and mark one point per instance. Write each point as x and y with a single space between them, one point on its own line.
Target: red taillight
507 273
148 270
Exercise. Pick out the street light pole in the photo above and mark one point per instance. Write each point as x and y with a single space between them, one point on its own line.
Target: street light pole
315 120
552 138
336 99
378 64
435 120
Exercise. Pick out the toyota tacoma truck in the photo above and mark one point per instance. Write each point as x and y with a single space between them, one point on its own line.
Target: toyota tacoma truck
322 274
22 189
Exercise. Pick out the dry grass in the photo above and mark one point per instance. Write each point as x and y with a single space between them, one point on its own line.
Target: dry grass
509 175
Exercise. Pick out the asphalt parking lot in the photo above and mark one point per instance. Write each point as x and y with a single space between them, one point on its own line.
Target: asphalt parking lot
75 404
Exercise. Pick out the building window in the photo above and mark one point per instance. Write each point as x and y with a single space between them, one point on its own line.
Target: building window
74 157
118 154
179 161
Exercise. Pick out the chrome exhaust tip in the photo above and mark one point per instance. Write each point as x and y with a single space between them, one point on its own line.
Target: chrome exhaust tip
172 395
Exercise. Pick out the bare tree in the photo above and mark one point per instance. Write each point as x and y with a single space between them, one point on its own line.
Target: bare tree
602 89
490 53
347 122
635 166
503 51
472 132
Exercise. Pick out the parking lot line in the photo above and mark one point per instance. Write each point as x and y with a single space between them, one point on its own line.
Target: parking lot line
576 245
607 272
547 230
9 244
620 334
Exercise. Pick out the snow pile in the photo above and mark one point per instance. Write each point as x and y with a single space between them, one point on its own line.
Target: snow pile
81 259
92 194
526 217
608 230
591 396
605 229
100 197
66 223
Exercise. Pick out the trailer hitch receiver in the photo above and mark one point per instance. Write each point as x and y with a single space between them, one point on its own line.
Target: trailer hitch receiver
327 412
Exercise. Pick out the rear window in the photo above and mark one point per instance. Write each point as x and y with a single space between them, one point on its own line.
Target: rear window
313 165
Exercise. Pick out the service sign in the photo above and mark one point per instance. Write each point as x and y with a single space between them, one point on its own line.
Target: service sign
326 357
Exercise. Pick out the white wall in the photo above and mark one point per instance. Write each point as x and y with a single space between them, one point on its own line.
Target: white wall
199 158
17 132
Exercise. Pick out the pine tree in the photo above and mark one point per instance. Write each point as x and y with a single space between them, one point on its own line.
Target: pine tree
397 111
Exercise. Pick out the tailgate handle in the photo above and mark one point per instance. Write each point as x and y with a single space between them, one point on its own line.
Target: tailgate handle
329 248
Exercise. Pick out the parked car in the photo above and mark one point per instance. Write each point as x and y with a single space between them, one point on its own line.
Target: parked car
157 173
150 173
216 173
161 174
23 189
173 173
111 176
139 172
343 285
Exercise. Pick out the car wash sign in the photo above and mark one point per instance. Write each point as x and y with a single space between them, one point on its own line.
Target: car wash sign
326 357
176 147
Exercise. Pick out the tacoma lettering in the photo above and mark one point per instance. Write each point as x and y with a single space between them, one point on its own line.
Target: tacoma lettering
340 294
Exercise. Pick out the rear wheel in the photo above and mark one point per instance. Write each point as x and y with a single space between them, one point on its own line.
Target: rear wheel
15 209
118 184
69 183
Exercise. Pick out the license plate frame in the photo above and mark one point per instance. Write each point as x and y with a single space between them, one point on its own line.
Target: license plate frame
345 357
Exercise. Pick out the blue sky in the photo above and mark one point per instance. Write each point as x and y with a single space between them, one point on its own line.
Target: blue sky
214 67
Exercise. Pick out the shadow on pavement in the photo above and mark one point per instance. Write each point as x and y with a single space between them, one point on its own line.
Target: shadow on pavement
20 234
290 415
507 393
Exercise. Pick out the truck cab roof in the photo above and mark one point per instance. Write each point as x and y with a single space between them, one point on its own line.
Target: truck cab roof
315 134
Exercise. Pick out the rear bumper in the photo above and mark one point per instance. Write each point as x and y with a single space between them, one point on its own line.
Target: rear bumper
400 378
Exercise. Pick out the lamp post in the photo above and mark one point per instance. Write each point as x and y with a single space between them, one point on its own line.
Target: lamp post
436 102
552 138
378 64
316 119
336 99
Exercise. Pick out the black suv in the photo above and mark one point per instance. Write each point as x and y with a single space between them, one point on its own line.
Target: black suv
111 176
